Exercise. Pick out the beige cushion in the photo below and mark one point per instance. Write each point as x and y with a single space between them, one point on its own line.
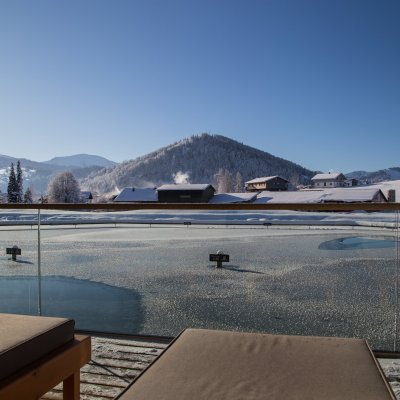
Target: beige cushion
25 338
217 365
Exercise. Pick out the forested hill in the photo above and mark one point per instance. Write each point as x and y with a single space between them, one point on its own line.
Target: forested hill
200 159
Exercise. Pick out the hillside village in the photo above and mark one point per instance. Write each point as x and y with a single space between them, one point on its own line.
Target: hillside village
202 168
325 188
330 187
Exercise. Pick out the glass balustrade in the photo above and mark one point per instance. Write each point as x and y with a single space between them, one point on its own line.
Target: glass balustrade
19 288
311 273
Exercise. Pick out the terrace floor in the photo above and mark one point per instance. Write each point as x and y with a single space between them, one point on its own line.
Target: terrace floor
117 361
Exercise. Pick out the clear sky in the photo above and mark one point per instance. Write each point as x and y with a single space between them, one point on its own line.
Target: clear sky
314 81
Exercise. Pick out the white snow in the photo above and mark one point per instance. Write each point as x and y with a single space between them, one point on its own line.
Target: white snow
262 179
225 198
137 194
342 219
356 194
389 185
309 196
332 175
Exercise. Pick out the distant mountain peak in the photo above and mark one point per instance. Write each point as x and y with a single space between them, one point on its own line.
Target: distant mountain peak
382 175
81 160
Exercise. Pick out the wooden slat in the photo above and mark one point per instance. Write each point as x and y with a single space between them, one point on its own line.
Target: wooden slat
98 341
115 363
120 372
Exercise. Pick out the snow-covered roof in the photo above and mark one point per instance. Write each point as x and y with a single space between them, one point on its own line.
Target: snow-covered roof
351 195
186 186
135 194
225 198
389 185
324 177
264 179
346 195
288 197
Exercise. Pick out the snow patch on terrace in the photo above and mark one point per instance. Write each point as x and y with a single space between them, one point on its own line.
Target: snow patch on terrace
359 218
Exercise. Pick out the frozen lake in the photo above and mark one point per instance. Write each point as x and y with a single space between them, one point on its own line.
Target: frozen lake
281 279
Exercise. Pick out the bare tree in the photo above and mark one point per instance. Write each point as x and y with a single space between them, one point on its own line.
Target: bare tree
239 187
223 179
63 188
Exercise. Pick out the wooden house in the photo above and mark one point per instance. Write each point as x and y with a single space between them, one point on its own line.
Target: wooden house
185 193
271 183
351 182
329 180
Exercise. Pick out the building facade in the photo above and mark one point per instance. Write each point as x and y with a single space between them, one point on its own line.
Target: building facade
272 183
186 193
329 180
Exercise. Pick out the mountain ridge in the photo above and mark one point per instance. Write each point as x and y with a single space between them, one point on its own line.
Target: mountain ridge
200 158
365 177
37 175
81 160
193 158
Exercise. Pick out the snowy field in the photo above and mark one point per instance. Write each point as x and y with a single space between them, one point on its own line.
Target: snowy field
319 279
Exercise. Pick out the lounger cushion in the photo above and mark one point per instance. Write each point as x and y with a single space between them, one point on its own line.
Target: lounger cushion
25 338
217 365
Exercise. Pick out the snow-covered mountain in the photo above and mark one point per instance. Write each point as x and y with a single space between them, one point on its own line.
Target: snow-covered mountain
37 175
389 174
81 160
198 159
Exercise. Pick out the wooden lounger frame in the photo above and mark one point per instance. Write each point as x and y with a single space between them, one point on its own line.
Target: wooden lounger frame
61 365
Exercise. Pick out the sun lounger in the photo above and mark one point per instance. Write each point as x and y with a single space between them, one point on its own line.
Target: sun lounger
217 365
37 353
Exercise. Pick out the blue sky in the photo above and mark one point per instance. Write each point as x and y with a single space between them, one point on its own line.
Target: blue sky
314 81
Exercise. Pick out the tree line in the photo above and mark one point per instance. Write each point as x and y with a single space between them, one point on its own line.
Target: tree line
63 188
15 187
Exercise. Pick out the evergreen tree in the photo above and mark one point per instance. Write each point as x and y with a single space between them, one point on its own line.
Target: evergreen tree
19 180
28 198
12 188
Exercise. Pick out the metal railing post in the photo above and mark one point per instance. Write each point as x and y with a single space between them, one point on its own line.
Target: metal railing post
396 285
39 269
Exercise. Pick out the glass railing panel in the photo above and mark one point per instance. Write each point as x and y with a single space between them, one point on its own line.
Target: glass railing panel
18 269
331 279
328 274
